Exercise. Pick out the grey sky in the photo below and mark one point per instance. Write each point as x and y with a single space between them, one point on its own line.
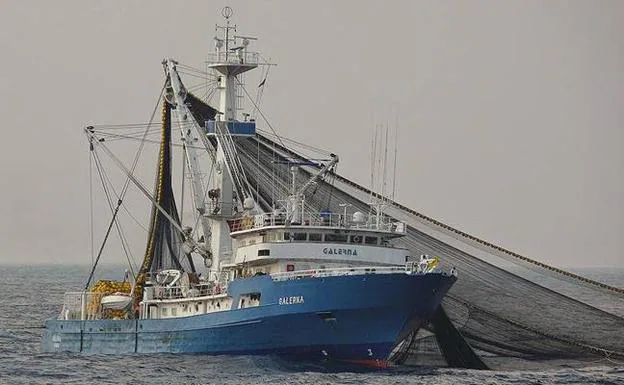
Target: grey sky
510 113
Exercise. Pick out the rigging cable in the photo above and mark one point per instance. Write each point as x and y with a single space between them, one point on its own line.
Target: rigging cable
183 182
260 91
259 111
112 221
182 127
300 144
126 184
138 154
106 181
91 235
186 67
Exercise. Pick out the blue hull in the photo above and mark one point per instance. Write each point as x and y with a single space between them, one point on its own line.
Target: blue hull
349 318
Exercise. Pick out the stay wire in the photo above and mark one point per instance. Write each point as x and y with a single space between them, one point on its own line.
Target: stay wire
301 144
92 236
260 92
186 67
124 188
138 154
110 225
124 242
259 111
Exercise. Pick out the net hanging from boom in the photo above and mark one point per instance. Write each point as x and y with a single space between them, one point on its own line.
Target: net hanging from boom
529 311
164 246
497 310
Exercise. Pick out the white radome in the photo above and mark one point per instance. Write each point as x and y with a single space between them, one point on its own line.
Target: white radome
359 217
249 203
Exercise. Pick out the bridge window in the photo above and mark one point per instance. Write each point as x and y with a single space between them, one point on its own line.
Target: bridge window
300 236
336 238
370 240
312 237
264 252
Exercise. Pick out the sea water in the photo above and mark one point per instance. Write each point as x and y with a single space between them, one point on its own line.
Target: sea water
31 294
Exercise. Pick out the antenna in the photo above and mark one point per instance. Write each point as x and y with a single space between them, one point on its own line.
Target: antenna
385 167
396 150
227 12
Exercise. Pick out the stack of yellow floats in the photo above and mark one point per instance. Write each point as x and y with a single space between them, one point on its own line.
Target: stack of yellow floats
106 287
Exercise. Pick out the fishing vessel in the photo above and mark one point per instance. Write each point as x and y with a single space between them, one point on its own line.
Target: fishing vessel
278 276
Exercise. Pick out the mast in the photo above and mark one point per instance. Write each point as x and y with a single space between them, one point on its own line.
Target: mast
229 61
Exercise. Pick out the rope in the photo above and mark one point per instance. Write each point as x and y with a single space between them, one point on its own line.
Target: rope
110 226
259 111
91 231
140 149
106 182
186 67
301 144
260 91
123 191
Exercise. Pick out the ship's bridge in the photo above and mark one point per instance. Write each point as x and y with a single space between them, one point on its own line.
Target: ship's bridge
319 239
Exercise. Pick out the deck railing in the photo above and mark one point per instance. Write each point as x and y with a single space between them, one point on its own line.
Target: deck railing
342 271
316 220
81 305
86 305
178 292
238 57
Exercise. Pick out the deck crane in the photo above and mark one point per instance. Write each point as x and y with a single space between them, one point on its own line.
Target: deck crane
296 200
191 133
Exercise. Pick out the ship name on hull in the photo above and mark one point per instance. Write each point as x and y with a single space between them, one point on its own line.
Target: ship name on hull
291 300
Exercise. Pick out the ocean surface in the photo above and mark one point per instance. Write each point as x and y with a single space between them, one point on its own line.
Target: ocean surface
30 294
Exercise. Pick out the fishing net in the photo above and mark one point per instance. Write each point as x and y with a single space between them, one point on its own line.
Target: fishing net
164 247
503 304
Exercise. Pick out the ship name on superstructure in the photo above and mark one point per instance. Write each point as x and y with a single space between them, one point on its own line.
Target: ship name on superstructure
333 251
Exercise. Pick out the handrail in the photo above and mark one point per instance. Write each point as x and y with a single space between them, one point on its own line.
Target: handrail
81 305
192 292
315 219
239 57
342 271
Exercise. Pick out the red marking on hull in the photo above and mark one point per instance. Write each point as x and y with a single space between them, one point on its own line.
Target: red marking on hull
370 363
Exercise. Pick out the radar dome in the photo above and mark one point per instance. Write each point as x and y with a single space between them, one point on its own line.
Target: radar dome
249 203
359 217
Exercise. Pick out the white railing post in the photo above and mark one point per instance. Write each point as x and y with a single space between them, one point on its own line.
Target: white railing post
83 305
281 276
